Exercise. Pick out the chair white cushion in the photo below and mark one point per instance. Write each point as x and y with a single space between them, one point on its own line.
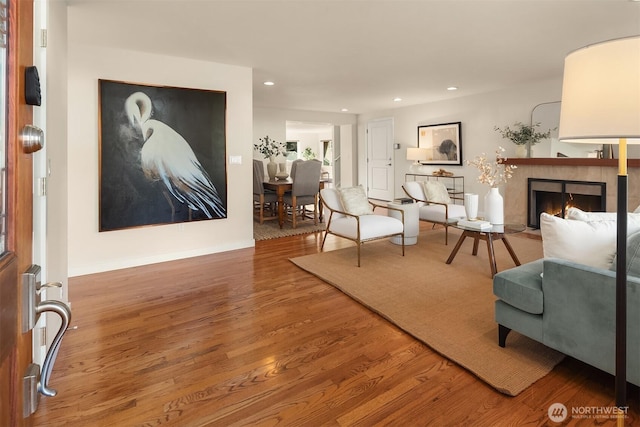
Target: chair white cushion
414 189
331 198
371 226
435 213
435 191
354 200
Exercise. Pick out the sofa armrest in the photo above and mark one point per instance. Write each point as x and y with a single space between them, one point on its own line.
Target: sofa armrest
579 313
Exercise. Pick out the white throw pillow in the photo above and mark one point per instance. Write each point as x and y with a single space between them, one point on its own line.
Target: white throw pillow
633 219
585 242
580 215
354 200
435 191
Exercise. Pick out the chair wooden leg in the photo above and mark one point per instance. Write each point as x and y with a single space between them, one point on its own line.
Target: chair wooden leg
261 209
359 253
315 210
294 208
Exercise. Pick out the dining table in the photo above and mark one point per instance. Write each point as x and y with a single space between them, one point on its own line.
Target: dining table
281 186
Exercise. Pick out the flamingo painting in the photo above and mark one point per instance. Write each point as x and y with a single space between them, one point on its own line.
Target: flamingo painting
168 158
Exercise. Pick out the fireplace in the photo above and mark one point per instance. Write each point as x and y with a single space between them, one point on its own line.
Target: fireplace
554 196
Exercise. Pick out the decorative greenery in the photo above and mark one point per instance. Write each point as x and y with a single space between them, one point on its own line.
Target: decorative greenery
493 173
270 148
308 154
523 134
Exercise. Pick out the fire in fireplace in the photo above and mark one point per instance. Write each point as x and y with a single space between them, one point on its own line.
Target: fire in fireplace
555 196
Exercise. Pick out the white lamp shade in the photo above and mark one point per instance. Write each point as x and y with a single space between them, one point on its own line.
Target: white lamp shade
417 154
601 93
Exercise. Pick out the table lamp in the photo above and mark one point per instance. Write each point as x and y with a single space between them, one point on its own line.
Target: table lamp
601 105
417 154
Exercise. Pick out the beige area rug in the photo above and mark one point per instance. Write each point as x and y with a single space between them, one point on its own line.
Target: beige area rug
448 307
271 229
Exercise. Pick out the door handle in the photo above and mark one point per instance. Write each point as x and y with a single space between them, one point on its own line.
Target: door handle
36 382
64 312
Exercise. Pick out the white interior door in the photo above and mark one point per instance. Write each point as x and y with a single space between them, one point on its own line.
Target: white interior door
380 180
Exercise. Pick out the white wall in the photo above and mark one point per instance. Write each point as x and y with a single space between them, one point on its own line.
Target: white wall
478 114
91 251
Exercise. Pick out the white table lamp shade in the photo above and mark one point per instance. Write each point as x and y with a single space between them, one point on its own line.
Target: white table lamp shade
601 93
417 154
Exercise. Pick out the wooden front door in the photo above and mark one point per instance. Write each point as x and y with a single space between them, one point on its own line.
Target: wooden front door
16 219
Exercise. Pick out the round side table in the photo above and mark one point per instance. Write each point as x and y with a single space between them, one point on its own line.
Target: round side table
411 222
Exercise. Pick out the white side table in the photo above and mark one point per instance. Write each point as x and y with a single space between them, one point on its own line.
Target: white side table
411 222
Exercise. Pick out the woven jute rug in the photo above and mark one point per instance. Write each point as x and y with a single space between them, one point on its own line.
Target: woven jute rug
271 229
448 307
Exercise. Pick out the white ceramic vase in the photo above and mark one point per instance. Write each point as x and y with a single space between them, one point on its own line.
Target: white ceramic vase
471 205
272 168
282 171
521 151
494 206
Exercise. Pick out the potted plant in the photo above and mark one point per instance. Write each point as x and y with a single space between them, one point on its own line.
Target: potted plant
270 149
523 134
308 154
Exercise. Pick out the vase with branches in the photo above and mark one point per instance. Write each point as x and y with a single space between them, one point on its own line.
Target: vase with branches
493 173
270 149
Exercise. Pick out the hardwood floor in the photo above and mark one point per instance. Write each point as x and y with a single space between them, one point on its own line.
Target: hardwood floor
247 338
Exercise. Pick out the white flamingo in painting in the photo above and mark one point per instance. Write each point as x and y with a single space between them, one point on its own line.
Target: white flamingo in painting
167 157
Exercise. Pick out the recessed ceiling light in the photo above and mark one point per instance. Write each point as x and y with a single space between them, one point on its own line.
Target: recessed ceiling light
397 99
452 88
344 110
269 83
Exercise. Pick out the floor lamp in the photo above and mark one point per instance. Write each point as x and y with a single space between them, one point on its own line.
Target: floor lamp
601 104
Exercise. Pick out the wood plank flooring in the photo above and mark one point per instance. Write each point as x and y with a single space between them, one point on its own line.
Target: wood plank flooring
247 338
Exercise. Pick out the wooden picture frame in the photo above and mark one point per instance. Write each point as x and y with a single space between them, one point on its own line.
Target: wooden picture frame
443 142
162 155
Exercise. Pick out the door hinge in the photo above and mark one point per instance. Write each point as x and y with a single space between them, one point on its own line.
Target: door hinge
43 37
43 186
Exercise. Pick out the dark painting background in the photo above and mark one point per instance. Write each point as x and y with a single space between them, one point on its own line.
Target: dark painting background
127 197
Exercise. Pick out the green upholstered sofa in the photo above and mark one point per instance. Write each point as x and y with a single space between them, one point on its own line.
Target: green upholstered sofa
570 307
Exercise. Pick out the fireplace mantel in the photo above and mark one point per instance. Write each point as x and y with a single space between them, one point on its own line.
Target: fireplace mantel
571 161
566 168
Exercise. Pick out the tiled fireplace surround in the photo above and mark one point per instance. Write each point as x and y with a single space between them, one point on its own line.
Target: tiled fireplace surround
574 169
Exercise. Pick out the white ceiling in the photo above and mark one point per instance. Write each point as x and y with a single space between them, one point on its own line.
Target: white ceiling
325 55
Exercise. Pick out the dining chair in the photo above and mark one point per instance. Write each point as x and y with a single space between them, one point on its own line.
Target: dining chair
305 189
262 197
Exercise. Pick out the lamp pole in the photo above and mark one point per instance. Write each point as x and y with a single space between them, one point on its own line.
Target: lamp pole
621 278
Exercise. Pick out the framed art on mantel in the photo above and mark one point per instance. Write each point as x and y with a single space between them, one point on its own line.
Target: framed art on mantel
443 142
162 155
